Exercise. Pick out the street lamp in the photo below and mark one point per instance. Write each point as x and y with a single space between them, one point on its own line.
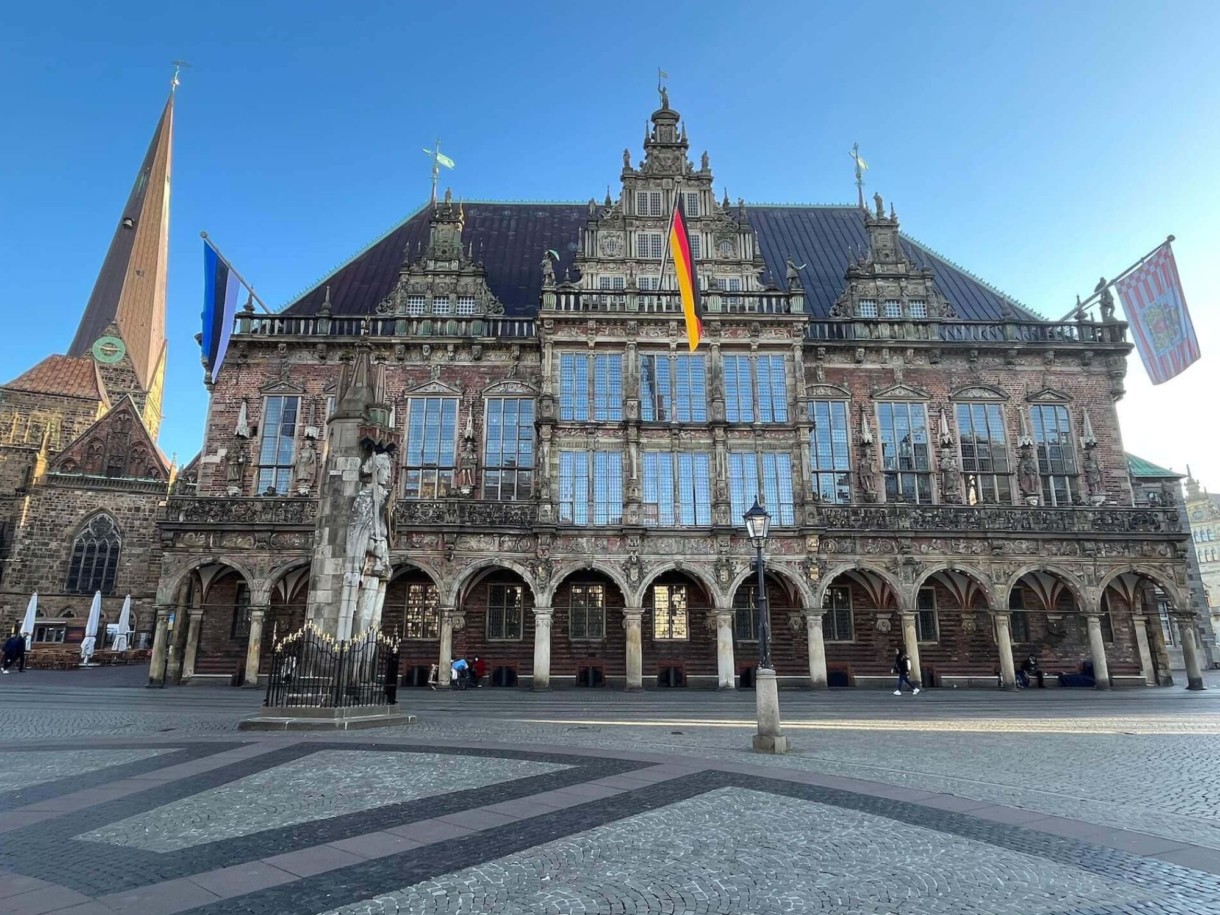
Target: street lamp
758 525
770 737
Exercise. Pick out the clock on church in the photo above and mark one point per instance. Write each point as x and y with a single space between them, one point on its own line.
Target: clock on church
109 349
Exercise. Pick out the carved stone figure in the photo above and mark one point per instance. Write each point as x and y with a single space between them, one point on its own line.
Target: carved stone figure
1028 480
880 204
950 476
794 276
367 547
468 465
235 467
867 476
626 158
548 270
1093 476
664 97
705 162
306 467
1106 301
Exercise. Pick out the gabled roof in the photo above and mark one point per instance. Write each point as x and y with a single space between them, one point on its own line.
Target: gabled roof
1146 470
118 441
510 239
63 376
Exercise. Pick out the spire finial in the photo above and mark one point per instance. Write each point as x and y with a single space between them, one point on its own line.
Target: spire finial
861 168
661 77
174 81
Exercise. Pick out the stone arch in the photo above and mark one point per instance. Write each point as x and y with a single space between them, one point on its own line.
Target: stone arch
965 591
828 579
1070 581
477 570
698 574
798 589
1157 577
424 622
167 589
568 569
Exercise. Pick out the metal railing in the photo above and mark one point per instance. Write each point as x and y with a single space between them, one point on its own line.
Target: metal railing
309 669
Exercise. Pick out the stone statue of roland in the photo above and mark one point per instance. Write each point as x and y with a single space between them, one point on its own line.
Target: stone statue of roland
367 554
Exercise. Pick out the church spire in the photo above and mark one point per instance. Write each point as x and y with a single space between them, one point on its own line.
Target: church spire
130 290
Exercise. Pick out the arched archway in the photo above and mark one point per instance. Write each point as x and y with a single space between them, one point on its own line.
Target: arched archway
1137 619
219 593
954 626
1046 619
412 613
860 624
678 636
588 647
785 601
495 600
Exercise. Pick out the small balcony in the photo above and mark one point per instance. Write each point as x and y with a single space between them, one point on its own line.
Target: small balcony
585 301
381 326
231 511
966 519
970 332
467 513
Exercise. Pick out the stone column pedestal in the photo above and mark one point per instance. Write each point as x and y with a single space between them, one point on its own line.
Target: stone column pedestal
254 647
156 663
192 644
542 647
726 674
1003 639
770 737
817 649
444 659
632 617
1097 649
1147 670
1190 652
910 641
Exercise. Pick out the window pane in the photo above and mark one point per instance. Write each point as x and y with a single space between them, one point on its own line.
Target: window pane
431 448
828 451
508 456
905 452
669 612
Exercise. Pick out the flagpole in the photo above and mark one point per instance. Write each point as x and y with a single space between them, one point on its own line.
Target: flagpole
1170 239
241 279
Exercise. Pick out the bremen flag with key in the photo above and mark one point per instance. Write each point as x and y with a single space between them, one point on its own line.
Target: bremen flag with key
684 270
1156 310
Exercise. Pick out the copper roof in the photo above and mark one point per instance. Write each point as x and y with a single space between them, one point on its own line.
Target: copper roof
65 376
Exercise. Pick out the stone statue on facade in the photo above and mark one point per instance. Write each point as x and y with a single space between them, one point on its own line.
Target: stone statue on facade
793 274
626 158
880 204
1028 480
704 162
950 476
664 97
367 548
468 466
548 270
235 467
867 476
1105 300
306 467
1093 476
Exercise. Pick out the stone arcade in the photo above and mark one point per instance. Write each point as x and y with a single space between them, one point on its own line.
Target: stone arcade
566 482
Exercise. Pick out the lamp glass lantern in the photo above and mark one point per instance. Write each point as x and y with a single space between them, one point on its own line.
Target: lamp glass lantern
758 525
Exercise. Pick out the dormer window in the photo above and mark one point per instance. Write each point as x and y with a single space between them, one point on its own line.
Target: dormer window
692 205
416 305
867 308
648 203
440 305
893 308
917 308
466 305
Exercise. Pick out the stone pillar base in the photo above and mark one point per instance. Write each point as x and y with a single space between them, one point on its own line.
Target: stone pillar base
770 737
767 744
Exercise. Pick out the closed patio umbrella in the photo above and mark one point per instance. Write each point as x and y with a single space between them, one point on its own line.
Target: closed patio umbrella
90 642
31 614
121 640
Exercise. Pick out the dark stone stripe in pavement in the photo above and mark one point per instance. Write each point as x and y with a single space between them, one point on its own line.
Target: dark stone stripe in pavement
33 794
40 849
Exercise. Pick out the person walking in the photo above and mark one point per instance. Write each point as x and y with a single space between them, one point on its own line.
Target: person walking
14 653
902 667
480 670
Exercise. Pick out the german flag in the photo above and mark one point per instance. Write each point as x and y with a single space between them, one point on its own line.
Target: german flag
684 269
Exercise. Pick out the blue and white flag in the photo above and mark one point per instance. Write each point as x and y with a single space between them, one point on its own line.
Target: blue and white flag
220 290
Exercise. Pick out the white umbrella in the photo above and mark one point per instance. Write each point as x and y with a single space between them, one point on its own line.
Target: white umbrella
120 642
31 614
95 615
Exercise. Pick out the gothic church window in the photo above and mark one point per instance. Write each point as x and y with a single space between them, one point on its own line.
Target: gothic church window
95 557
677 489
421 619
669 613
755 389
673 388
587 612
508 448
984 446
764 475
829 457
1056 460
591 387
905 454
590 487
431 447
505 613
278 448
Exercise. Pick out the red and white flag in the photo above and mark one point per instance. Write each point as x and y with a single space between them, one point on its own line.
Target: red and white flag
1156 310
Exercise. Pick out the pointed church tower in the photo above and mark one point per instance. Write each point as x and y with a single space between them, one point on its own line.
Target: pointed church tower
123 327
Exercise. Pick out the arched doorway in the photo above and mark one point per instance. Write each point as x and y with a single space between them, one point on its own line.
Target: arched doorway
954 628
412 613
1046 623
220 594
497 605
789 646
587 645
286 610
1138 610
861 626
678 647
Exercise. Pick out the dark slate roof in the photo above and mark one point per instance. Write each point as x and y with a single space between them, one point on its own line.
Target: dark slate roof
510 238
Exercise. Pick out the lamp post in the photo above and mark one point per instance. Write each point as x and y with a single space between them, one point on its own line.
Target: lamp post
770 737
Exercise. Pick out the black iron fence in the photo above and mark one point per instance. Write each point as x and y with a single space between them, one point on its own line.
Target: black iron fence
310 669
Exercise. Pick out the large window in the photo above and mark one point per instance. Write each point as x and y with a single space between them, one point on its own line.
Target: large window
905 455
649 203
239 628
508 448
590 487
505 613
670 618
829 460
745 614
1056 459
431 447
650 245
587 612
421 614
673 388
837 621
278 449
95 557
677 489
591 387
767 475
1018 617
755 389
980 429
925 616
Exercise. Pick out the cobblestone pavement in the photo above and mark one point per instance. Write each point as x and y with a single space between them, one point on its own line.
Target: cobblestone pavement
1060 802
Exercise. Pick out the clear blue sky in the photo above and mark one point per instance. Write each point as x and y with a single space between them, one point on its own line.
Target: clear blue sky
1040 145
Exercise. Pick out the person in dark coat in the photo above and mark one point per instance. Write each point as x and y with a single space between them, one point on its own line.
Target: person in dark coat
902 667
14 653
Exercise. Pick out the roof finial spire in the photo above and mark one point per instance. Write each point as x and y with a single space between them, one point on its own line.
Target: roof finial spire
438 159
661 77
174 81
861 168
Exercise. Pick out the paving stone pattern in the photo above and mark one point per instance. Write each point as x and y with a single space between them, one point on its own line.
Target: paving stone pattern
319 786
26 768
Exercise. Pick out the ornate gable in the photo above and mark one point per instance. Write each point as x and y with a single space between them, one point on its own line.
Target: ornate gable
434 387
978 392
1048 395
509 389
827 392
117 446
902 392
